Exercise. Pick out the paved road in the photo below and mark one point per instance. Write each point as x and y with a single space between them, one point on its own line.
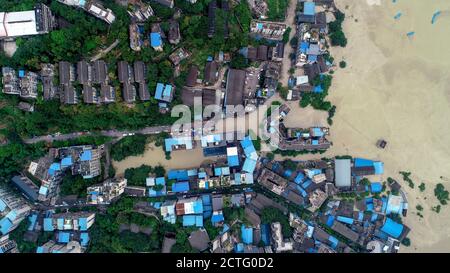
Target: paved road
290 22
110 133
104 52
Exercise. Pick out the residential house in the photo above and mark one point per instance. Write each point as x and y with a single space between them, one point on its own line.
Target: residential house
140 75
267 30
211 73
174 32
47 75
13 209
76 221
179 55
126 77
106 192
26 186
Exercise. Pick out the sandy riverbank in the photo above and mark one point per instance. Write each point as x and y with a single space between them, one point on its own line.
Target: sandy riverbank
398 89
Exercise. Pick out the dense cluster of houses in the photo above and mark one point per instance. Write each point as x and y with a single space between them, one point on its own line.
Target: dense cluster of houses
311 51
296 139
50 169
93 7
369 224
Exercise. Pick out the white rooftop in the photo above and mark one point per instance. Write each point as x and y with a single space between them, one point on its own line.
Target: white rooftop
14 24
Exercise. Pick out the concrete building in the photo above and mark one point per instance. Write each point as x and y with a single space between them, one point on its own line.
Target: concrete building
280 244
13 209
77 221
53 247
106 192
26 186
7 245
342 172
26 23
93 7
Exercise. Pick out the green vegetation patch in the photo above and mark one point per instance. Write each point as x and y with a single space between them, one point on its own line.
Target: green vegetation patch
337 35
128 146
406 178
277 9
270 215
137 176
441 194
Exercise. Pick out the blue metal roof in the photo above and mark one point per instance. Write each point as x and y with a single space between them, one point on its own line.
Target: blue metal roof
376 187
180 187
265 234
155 39
159 91
83 224
198 206
63 237
306 184
86 155
202 175
392 228
5 225
287 173
303 47
2 205
84 237
48 224
345 220
192 220
318 89
333 241
312 58
217 218
317 132
379 167
179 175
233 161
43 190
361 162
32 219
249 165
330 220
160 181
167 90
309 8
239 248
169 142
247 235
60 223
206 199
67 161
